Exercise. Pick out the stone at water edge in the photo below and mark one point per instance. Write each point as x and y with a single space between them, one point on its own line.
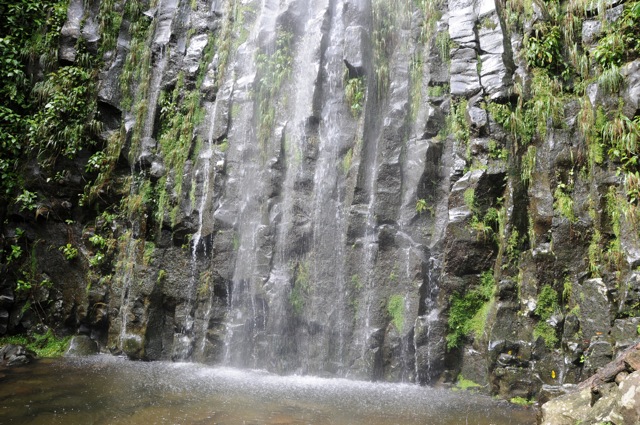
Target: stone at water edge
12 355
81 345
610 396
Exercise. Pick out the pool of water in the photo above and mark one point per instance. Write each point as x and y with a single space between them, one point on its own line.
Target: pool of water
111 390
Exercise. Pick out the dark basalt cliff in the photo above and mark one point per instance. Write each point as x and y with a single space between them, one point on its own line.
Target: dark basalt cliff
391 190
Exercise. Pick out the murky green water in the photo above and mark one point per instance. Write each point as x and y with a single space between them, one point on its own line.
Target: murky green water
108 390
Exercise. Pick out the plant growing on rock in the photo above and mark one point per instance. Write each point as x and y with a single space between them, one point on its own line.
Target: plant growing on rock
354 92
301 285
547 305
468 312
69 251
395 307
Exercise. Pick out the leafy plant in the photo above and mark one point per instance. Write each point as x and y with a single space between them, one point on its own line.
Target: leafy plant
27 200
543 48
65 124
16 253
354 92
97 259
497 152
98 241
69 251
422 206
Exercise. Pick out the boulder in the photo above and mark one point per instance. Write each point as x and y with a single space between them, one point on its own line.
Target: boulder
81 345
12 355
612 395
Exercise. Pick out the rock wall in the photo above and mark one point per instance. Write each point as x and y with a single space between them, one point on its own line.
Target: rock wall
381 190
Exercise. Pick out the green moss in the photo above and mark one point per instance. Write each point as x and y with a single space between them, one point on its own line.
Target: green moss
470 199
437 91
457 121
521 401
395 308
162 275
468 312
528 164
44 345
356 282
301 285
443 44
346 161
149 249
466 384
547 304
547 333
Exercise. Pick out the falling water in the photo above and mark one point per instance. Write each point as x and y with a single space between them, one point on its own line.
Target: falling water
289 200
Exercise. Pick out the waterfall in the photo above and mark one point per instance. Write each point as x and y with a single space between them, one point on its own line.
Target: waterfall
306 252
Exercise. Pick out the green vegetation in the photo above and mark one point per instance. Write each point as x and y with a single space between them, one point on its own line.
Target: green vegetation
543 48
422 205
564 202
497 152
273 70
354 92
69 251
465 384
395 308
457 123
346 161
469 197
356 282
468 312
546 306
301 285
437 91
444 44
521 401
44 345
65 122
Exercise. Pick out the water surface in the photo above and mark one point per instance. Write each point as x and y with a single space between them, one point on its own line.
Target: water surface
110 390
